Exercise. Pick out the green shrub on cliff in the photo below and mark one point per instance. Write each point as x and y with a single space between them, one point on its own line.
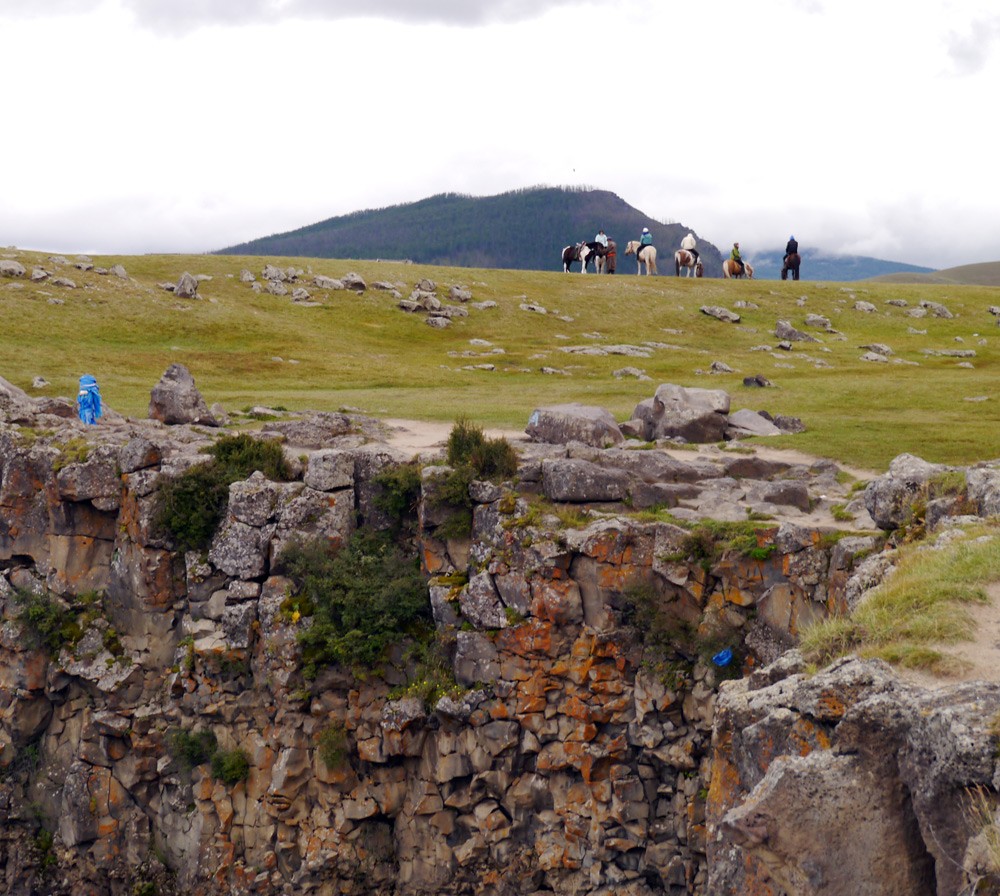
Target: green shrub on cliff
366 596
919 609
194 748
471 456
47 622
191 505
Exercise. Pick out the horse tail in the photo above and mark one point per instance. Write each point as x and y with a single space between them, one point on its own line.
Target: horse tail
677 265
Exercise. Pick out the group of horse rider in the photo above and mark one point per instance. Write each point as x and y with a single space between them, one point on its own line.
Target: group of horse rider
609 250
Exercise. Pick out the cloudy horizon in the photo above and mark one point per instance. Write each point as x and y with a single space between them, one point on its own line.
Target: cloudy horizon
152 126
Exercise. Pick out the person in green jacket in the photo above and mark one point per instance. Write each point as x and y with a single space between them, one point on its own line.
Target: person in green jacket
647 238
735 256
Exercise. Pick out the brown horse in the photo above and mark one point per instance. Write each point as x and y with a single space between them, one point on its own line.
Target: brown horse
731 269
684 259
792 263
643 255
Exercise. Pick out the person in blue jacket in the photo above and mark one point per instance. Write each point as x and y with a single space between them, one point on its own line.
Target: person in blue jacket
88 400
647 238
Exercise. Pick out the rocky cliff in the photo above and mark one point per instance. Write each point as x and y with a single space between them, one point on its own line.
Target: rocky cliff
164 738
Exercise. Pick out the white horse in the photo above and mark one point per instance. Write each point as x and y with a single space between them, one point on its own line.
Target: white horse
643 255
684 259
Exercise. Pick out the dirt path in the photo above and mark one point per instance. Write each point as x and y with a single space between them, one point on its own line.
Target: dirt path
975 660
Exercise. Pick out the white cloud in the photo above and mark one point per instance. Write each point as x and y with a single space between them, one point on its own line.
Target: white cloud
222 120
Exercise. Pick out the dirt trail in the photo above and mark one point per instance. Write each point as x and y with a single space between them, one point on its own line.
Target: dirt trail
975 660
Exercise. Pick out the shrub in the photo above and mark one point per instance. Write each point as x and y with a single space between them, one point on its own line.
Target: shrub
241 455
400 491
332 745
366 597
191 505
191 748
47 623
472 456
492 459
231 766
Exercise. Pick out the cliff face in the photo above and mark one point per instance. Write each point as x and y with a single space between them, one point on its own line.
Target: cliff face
850 781
564 761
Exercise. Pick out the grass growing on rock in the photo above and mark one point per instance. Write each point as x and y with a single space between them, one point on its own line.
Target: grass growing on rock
918 608
246 348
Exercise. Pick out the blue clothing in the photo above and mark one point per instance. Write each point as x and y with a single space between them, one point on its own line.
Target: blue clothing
88 399
646 239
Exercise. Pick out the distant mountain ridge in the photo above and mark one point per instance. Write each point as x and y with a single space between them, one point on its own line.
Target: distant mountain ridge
818 265
527 230
523 229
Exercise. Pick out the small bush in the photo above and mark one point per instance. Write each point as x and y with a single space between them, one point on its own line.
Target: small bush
242 455
332 745
191 505
47 623
191 748
194 748
400 491
230 766
366 597
493 459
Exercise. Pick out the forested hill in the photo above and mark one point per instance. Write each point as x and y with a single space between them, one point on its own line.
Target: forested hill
524 229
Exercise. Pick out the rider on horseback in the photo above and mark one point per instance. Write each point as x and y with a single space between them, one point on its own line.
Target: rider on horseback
735 256
689 244
791 247
601 238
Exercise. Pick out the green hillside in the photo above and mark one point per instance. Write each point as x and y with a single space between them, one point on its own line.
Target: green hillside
549 338
523 230
983 274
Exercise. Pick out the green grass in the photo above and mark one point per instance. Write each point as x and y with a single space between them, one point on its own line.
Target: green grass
919 607
363 352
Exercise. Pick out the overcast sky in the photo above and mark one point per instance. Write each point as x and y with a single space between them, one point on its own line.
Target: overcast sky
861 126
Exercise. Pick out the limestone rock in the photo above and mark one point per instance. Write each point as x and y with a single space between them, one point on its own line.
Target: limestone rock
175 399
564 423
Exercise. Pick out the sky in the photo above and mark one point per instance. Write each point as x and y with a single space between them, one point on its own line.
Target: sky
145 126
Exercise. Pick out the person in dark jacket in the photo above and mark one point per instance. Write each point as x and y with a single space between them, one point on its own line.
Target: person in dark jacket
791 247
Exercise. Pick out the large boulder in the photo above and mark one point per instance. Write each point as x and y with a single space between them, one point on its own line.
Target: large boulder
562 423
175 399
889 498
675 412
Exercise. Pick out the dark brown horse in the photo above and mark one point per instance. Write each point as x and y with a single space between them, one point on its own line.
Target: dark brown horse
792 263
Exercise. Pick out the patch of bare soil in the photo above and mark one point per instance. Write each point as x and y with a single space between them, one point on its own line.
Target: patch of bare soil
974 660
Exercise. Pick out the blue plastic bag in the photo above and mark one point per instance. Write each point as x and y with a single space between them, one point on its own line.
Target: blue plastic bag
723 657
88 399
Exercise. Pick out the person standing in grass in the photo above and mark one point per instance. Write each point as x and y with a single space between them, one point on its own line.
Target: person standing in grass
88 400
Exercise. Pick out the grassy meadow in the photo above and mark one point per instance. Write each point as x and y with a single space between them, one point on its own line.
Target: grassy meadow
362 352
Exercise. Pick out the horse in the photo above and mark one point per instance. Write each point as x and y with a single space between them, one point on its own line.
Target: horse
606 261
596 252
684 259
792 263
643 255
577 252
731 269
